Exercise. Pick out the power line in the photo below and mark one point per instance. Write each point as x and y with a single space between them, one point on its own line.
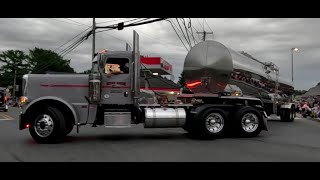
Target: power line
172 22
157 40
64 21
76 43
183 33
104 30
194 40
176 26
199 22
114 26
84 37
189 27
65 51
71 39
187 32
77 22
208 24
111 21
178 35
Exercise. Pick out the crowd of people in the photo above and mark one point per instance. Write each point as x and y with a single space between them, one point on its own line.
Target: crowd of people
265 85
309 107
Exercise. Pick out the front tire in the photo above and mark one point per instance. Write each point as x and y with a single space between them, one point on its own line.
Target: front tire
48 126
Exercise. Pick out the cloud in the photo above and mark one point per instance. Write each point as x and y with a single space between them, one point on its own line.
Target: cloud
267 39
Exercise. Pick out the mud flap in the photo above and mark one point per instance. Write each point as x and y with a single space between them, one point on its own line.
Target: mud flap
22 121
265 118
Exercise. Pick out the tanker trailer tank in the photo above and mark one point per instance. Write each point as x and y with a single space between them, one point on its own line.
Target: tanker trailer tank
208 67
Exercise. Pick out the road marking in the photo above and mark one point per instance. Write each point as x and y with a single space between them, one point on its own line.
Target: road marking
5 117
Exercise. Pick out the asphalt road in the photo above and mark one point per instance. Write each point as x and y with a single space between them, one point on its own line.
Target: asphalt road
297 141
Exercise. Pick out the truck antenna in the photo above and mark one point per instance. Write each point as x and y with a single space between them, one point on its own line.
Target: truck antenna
93 37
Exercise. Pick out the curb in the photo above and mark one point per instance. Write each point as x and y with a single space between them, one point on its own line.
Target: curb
314 119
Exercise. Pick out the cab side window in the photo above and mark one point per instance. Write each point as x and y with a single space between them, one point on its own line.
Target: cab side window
116 66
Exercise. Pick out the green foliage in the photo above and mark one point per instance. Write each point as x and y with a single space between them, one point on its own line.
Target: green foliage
86 72
39 61
182 81
299 92
46 60
13 61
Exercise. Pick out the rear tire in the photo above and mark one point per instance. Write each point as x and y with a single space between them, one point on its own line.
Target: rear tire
212 123
287 115
47 126
249 121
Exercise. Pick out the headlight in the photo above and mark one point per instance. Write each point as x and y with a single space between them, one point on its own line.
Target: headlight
23 100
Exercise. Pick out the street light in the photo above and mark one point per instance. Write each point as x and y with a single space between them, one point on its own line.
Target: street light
292 50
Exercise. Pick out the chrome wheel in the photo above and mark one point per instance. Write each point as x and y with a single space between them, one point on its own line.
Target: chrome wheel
214 122
44 125
250 122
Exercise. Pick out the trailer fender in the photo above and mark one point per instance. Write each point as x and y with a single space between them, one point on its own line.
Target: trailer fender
55 99
287 106
197 111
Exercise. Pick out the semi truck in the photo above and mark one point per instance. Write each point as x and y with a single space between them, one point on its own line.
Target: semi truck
3 100
110 96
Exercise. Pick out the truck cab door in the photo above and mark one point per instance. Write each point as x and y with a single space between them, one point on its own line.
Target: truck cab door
116 81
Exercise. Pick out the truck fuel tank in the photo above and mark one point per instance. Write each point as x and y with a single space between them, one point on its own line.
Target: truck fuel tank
164 117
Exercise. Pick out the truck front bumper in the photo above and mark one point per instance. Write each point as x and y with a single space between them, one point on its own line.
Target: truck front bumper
22 121
4 107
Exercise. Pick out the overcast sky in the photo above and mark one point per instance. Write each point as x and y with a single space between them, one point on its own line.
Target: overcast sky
265 39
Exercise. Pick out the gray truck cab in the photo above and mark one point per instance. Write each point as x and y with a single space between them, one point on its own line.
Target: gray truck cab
115 70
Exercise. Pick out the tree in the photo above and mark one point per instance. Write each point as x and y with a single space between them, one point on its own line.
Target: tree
15 62
86 72
183 84
182 81
43 60
299 92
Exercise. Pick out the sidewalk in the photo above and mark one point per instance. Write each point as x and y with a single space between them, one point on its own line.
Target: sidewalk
308 118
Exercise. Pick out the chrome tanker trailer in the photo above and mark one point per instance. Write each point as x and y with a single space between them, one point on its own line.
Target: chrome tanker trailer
210 66
53 104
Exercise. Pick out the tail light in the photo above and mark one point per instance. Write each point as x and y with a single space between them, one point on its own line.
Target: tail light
5 98
193 84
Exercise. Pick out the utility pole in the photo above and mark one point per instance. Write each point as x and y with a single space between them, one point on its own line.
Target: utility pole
204 34
93 37
14 80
